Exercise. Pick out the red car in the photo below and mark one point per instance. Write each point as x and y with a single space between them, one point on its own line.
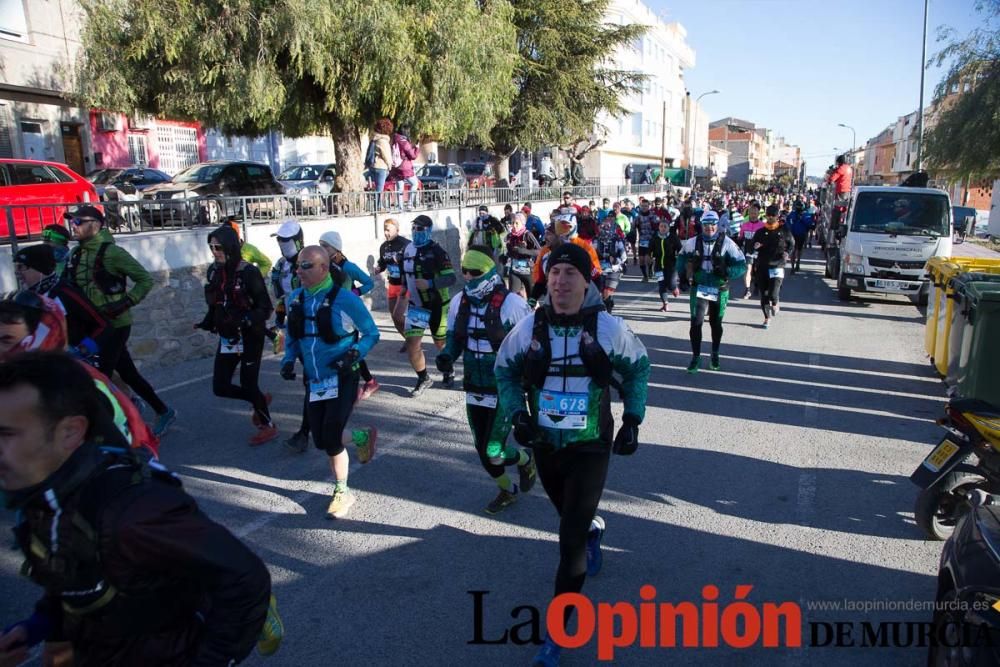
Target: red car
36 192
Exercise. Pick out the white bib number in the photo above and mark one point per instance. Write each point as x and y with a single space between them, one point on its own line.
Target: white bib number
776 273
563 410
605 267
482 400
708 293
227 346
658 276
643 243
325 389
418 318
394 271
521 265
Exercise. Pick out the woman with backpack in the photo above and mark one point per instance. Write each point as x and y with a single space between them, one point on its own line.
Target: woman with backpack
403 155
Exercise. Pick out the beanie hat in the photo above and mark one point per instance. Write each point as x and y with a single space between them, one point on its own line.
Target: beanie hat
332 239
478 258
56 233
709 218
40 257
570 253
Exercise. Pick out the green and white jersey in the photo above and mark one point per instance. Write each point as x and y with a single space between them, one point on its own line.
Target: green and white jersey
571 408
478 358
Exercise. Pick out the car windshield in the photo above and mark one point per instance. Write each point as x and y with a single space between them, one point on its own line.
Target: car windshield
105 176
901 212
304 172
434 170
200 173
474 169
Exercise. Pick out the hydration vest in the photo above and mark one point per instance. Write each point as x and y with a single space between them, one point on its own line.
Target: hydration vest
324 321
63 546
595 360
108 283
718 261
493 329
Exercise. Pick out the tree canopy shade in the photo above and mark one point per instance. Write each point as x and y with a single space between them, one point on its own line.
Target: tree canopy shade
964 142
443 67
563 78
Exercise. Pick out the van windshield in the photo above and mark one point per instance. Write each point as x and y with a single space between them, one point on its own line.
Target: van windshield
901 212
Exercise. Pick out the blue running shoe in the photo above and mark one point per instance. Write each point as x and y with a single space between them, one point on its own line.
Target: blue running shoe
548 655
164 421
594 557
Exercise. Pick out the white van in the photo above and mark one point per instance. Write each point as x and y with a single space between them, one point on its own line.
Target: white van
889 235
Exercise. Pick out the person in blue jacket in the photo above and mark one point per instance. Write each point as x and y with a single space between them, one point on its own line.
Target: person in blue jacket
799 223
352 277
330 331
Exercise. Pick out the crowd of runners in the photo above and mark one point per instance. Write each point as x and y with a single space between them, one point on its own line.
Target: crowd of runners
526 314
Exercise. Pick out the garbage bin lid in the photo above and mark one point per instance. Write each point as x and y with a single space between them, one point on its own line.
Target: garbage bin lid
980 293
963 280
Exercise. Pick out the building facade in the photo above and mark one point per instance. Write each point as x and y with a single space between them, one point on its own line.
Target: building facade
655 121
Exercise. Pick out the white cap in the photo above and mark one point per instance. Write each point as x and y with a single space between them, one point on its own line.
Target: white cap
710 217
332 239
289 229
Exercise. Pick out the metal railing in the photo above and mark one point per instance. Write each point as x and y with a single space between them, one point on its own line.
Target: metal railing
145 213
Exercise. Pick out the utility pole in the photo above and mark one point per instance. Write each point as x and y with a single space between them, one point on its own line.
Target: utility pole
663 140
920 111
694 135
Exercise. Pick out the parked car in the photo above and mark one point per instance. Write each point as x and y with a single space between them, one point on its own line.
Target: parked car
35 189
479 174
437 177
139 178
214 187
307 185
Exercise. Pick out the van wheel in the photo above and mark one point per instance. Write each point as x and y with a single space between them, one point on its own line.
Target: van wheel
843 291
923 297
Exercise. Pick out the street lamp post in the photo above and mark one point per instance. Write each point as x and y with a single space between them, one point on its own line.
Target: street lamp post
920 112
854 138
694 139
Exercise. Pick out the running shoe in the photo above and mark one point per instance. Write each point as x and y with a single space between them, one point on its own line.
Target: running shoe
663 308
421 386
527 473
278 343
298 442
254 417
715 365
548 655
503 500
767 323
694 365
747 295
265 433
273 631
339 504
594 556
774 310
367 389
366 449
164 421
449 381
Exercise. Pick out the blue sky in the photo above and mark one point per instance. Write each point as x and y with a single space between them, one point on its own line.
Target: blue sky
802 66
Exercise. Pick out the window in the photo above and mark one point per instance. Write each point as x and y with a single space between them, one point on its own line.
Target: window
32 174
13 22
107 122
257 172
177 146
59 175
137 152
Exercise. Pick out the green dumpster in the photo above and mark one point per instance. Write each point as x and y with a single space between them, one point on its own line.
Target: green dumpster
979 360
959 293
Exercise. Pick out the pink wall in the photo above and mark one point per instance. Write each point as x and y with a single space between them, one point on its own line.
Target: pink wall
113 145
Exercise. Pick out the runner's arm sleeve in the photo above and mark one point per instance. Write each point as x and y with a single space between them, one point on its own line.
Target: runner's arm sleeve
162 530
360 276
354 308
737 264
629 359
380 262
509 367
119 261
445 275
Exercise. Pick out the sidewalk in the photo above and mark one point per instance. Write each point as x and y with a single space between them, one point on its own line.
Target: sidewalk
974 250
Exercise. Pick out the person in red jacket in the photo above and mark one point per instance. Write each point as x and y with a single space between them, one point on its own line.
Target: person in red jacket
403 155
842 177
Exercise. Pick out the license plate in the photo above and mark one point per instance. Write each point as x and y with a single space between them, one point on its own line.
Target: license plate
941 455
889 284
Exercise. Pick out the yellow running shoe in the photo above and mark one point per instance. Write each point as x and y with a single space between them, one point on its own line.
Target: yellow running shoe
273 632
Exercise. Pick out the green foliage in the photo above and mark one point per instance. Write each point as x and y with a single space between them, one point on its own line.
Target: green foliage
563 78
303 66
964 142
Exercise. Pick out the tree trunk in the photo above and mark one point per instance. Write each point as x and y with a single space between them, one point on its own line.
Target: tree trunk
502 165
350 161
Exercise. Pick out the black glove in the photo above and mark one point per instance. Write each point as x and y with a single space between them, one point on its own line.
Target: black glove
116 309
525 431
444 363
627 439
346 361
288 370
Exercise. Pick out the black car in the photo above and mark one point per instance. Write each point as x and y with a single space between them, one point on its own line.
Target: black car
437 177
139 178
207 192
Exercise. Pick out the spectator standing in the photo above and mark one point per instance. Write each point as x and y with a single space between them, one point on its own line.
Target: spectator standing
403 155
381 157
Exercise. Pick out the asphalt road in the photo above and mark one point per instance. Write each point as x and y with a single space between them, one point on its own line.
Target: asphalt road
786 470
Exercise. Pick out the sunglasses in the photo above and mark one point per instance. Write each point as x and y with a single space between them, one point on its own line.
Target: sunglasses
82 221
215 246
475 273
305 266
